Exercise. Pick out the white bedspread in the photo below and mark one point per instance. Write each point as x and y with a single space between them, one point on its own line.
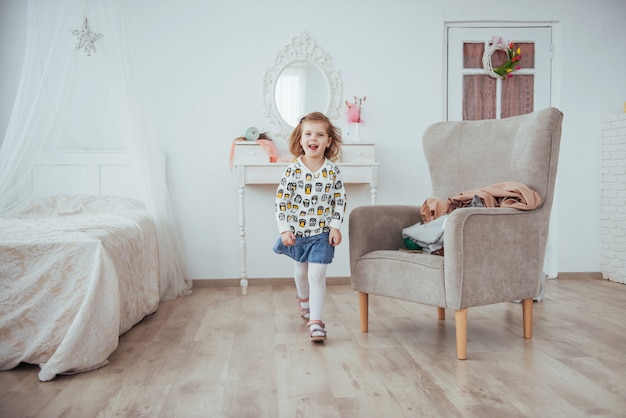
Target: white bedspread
75 273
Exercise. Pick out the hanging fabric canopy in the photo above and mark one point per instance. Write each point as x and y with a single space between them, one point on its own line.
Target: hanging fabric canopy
79 90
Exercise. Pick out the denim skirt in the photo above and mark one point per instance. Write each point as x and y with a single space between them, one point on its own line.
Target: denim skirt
315 249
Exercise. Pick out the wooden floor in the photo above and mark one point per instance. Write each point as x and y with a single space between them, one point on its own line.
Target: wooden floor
216 353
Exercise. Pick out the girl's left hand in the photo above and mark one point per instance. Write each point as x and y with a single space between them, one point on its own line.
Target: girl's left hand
334 237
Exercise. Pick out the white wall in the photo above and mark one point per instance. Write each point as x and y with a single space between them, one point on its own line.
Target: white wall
202 65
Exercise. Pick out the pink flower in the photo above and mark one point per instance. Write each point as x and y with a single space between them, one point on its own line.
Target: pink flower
354 109
354 113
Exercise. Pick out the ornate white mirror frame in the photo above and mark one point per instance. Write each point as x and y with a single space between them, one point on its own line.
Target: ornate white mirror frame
301 49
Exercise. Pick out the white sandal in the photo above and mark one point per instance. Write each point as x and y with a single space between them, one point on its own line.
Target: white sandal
317 330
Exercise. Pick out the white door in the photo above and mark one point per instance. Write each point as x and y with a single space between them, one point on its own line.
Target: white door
473 94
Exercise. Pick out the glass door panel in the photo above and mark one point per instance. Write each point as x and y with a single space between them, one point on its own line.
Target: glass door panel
472 94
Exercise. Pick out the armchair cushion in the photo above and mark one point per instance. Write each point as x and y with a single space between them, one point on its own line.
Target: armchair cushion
392 273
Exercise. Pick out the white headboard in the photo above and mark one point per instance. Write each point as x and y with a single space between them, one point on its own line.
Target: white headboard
85 172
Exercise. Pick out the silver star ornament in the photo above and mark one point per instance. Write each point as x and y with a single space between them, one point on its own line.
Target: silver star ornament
85 38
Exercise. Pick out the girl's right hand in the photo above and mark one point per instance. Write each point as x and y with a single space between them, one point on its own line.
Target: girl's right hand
288 238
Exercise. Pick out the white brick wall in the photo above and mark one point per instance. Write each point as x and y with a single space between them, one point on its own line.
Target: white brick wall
613 225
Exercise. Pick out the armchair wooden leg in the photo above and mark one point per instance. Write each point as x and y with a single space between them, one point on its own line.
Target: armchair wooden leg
363 308
441 313
527 312
460 317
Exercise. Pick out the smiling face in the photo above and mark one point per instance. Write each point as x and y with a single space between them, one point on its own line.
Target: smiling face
315 139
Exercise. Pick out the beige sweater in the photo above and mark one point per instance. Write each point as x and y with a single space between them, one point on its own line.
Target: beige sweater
507 194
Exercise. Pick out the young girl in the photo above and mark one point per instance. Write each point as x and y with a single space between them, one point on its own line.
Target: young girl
310 206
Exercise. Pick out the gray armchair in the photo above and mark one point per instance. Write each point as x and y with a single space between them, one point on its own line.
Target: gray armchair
492 255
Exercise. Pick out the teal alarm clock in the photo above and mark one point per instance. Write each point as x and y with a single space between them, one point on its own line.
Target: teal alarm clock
252 134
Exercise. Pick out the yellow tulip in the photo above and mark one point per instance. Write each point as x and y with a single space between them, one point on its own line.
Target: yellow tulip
519 51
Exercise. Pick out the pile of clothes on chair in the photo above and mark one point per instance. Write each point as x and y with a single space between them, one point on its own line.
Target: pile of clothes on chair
427 236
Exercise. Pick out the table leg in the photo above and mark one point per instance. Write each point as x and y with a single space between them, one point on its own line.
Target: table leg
373 183
242 242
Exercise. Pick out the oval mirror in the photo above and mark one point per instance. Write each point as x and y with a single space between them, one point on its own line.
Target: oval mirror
301 88
302 80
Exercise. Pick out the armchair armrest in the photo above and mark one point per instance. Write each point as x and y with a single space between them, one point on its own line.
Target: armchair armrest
493 255
379 227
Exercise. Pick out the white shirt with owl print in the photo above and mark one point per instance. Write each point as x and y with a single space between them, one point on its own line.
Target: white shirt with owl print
310 203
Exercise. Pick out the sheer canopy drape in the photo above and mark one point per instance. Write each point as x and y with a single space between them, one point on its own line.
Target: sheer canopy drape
68 100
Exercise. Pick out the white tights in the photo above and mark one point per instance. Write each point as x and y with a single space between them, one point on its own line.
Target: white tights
311 282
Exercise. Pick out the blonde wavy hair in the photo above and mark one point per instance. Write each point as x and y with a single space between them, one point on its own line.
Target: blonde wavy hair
332 152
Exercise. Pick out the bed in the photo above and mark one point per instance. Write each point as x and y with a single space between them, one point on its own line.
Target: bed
78 268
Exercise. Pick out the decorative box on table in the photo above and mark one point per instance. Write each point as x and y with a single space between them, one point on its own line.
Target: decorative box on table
249 152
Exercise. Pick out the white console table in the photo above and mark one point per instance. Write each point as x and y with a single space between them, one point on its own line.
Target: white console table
252 167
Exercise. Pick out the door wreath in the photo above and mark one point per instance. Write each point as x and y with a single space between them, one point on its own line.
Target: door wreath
507 69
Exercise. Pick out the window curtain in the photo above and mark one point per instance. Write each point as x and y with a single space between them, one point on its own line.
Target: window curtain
69 100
